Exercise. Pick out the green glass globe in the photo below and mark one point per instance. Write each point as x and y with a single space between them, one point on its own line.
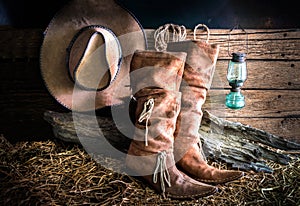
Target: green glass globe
235 100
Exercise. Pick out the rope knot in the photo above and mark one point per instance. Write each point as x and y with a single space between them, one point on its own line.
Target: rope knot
162 170
145 115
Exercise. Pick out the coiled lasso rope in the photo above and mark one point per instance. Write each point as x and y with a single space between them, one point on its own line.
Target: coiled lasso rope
168 33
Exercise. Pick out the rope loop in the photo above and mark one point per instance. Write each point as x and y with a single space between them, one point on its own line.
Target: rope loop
145 115
205 27
168 33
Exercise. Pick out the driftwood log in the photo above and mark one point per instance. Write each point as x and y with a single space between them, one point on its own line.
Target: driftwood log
239 145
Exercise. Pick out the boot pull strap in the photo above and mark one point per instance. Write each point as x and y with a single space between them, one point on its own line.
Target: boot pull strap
204 26
145 115
161 168
168 33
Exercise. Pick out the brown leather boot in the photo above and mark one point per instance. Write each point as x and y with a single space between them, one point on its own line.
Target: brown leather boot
197 77
155 80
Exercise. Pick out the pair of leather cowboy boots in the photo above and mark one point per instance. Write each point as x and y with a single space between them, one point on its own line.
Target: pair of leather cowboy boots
169 88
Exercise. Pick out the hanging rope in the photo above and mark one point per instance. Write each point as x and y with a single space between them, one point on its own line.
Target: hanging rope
168 33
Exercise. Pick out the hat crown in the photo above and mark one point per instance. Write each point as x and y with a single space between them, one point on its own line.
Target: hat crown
94 57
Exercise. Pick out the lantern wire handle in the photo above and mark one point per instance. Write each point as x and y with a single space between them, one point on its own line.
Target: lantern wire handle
229 35
204 26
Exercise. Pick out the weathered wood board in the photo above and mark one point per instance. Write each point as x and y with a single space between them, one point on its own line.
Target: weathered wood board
272 89
268 44
277 75
242 146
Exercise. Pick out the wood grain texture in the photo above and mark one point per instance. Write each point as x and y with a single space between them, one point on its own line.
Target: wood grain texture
20 43
272 89
263 75
262 44
274 75
283 127
276 44
259 103
242 146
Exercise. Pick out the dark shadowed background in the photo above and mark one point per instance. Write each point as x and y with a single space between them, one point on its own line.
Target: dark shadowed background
153 13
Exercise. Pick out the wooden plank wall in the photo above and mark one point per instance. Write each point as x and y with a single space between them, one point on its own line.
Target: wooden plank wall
23 97
272 89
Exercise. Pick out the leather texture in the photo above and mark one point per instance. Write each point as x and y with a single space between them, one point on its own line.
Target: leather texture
197 77
150 153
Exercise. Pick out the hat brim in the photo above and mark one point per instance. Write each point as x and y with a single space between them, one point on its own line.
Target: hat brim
76 15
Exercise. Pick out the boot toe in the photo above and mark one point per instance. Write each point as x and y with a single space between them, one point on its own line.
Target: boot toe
234 175
223 176
188 188
197 191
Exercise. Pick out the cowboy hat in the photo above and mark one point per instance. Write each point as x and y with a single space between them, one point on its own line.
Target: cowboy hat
86 53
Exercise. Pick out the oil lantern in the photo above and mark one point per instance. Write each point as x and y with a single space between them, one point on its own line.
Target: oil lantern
236 76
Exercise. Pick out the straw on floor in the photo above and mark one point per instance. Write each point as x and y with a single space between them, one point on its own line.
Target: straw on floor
57 173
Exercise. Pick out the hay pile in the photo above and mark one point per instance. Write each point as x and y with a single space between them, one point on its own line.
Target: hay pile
56 173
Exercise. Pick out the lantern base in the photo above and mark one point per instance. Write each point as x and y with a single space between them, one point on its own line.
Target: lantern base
235 100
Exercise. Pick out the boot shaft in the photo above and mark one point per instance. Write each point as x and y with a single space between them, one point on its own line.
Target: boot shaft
155 81
156 113
200 61
153 69
197 77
